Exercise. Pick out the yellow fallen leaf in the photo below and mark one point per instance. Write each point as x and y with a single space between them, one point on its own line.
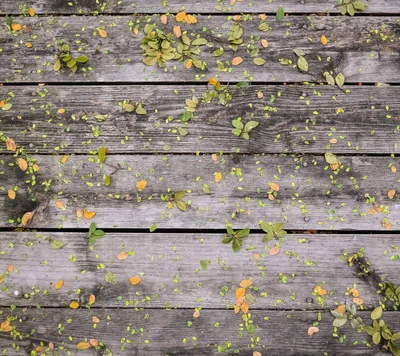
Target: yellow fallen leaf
317 289
324 40
102 32
135 30
12 194
35 168
218 176
123 255
89 214
180 16
190 19
134 280
240 292
74 305
61 110
83 346
236 61
31 12
23 164
141 184
244 307
92 299
28 45
64 159
26 218
312 330
237 308
341 308
59 284
246 283
16 27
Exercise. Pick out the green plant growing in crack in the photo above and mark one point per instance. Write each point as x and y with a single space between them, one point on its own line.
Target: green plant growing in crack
235 237
272 230
243 130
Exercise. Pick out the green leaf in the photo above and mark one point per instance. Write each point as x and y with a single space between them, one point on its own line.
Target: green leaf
250 328
227 240
71 63
329 78
302 64
153 228
140 110
110 278
204 264
186 116
199 42
359 5
230 230
57 244
370 330
299 52
340 80
243 84
395 336
246 136
330 158
242 233
266 227
57 65
92 228
185 40
182 131
99 233
6 107
237 245
268 237
82 59
259 61
250 298
376 338
150 61
181 205
218 52
237 123
376 313
102 154
107 181
236 132
337 314
128 107
9 21
338 322
179 195
280 14
350 9
251 125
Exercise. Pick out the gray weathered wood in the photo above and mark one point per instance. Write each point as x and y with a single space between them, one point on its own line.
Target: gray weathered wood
311 195
355 49
306 261
193 6
305 118
172 332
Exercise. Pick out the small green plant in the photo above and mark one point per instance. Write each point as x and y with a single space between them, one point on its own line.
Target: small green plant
235 36
349 314
94 233
350 6
243 130
393 293
272 230
188 51
235 237
64 58
176 198
137 107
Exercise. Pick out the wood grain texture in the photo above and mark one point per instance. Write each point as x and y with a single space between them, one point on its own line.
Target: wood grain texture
304 117
193 6
169 266
176 332
364 49
311 195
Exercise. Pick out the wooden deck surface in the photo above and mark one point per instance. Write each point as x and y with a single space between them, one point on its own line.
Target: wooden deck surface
146 155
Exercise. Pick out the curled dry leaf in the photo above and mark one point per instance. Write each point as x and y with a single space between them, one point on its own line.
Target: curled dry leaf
74 305
141 184
59 284
26 218
22 164
134 280
218 176
83 346
89 214
123 255
177 31
102 33
312 330
12 194
274 250
10 144
236 61
196 314
274 187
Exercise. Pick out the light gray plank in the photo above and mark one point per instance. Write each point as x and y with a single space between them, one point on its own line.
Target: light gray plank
194 6
306 119
168 333
355 49
311 195
169 266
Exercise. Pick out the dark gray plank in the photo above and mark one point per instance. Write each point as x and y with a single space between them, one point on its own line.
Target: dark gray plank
176 332
306 119
306 261
311 195
356 49
194 6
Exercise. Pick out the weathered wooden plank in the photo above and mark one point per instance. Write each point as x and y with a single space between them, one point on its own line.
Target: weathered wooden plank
193 6
364 49
169 265
176 332
311 195
306 119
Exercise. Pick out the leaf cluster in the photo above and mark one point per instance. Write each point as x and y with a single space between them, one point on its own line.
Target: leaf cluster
235 36
393 293
302 63
235 237
272 230
242 130
350 6
218 92
94 233
176 198
189 51
64 58
350 314
331 80
137 108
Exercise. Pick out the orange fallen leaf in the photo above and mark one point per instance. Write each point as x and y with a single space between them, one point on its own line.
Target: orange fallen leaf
196 314
341 309
239 301
262 17
177 31
237 308
39 349
236 61
180 16
334 166
2 103
135 30
164 19
244 307
218 176
10 268
12 194
123 255
189 64
23 164
94 342
240 292
95 319
324 40
51 345
190 19
387 225
102 32
237 18
256 353
322 292
64 159
35 168
89 214
31 12
256 256
317 289
264 43
28 45
354 292
212 81
10 144
83 346
393 169
74 305
312 330
61 110
333 140
358 301
246 283
271 197
26 218
371 211
92 299
141 184
214 157
378 209
274 187
134 280
59 284
79 212
60 204
16 26
391 193
274 250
